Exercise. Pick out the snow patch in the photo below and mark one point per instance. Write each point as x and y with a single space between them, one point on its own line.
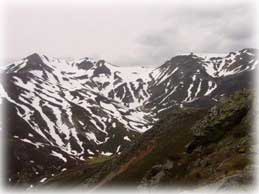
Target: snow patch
60 156
126 138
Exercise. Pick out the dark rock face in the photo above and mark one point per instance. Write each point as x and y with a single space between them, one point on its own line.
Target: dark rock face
102 69
82 110
85 65
33 62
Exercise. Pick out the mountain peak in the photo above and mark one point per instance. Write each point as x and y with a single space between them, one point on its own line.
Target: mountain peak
33 56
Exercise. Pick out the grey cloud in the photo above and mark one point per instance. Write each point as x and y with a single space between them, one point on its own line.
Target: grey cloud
129 35
201 29
153 40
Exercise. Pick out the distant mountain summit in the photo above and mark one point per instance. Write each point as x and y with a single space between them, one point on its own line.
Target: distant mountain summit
72 111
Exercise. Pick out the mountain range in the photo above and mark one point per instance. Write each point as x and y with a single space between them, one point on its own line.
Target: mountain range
61 114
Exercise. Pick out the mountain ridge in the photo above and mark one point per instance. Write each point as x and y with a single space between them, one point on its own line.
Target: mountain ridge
80 109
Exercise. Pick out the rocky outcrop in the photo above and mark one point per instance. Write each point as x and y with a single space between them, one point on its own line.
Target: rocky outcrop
220 119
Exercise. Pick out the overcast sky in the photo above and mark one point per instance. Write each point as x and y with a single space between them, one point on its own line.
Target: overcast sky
132 34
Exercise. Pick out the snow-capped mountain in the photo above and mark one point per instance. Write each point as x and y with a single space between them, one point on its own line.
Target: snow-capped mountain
60 113
188 80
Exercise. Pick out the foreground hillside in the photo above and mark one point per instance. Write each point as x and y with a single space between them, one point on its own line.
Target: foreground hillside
191 152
